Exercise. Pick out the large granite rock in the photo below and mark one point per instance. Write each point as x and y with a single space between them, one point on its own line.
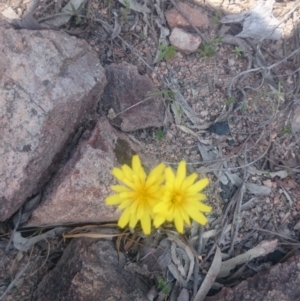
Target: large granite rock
89 270
78 191
49 84
280 283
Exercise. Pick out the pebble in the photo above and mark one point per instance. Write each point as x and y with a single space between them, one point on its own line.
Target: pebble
281 214
258 209
276 200
231 62
169 135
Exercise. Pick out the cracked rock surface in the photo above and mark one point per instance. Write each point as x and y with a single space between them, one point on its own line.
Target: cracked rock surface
49 84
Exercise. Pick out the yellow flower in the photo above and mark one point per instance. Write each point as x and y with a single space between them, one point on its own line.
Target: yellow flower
182 199
138 195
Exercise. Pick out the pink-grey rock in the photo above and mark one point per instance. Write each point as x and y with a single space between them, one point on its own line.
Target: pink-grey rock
50 83
78 191
295 123
185 42
125 88
279 283
89 270
176 19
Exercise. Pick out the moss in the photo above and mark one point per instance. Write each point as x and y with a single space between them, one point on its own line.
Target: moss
123 152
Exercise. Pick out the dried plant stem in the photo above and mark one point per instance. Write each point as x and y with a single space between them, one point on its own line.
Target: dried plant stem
18 276
15 229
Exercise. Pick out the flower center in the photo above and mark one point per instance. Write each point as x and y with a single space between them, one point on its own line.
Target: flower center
141 194
177 198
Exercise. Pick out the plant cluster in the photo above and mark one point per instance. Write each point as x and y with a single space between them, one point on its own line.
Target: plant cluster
209 48
158 197
167 52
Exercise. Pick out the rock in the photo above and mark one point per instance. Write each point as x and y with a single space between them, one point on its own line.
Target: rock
89 270
9 13
295 123
183 41
126 87
220 128
49 84
176 19
281 282
78 191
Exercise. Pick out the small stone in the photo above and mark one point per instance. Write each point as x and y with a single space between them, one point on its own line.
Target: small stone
9 13
258 209
127 92
169 135
176 19
268 183
220 128
185 42
231 62
276 200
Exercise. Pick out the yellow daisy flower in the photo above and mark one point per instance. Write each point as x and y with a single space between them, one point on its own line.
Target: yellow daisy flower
138 194
181 199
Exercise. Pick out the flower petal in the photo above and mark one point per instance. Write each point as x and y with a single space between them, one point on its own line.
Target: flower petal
124 218
156 176
136 164
199 206
125 204
198 186
189 181
185 216
133 221
119 174
170 178
180 176
170 214
138 169
142 176
178 222
204 208
195 197
146 224
159 220
113 200
119 188
140 210
162 207
196 215
133 207
128 172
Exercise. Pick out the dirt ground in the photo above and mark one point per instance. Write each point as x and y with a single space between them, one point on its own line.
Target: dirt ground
252 140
